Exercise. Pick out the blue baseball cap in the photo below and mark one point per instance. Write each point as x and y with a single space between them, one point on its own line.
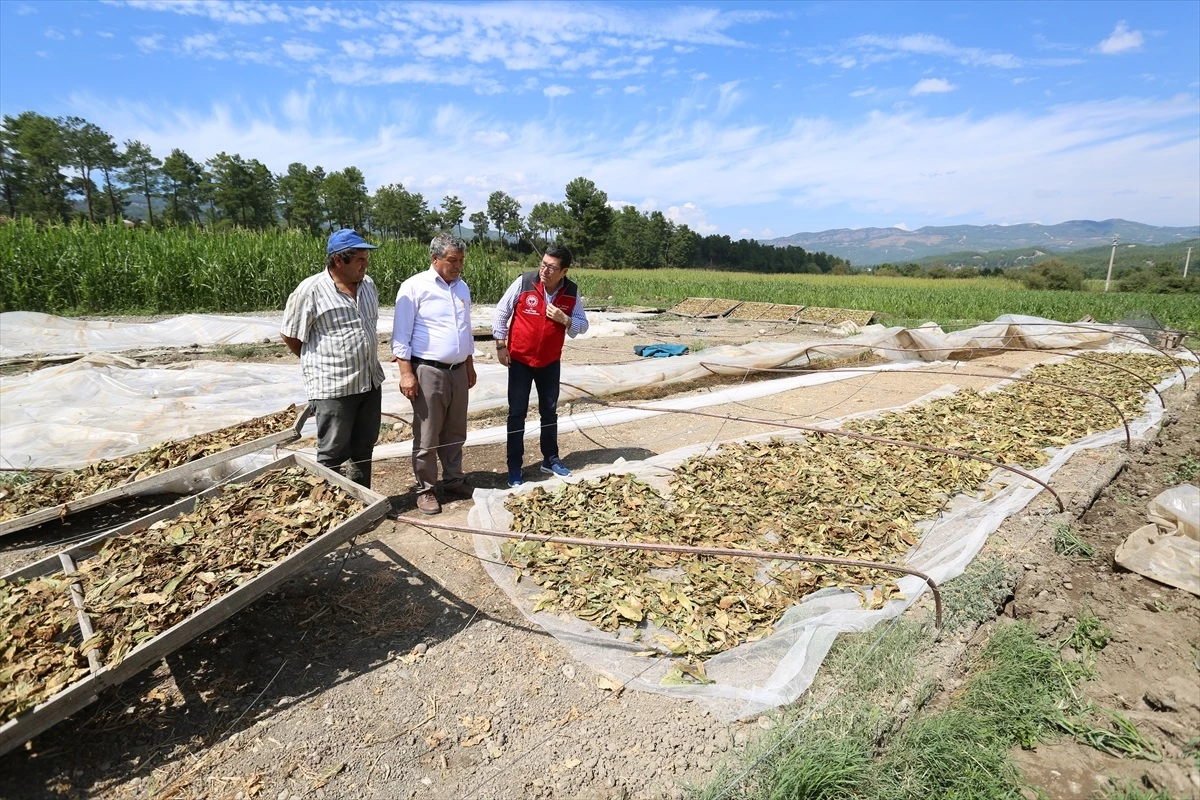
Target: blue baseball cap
346 239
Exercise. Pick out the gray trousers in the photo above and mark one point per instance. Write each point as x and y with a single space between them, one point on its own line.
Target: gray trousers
439 425
347 429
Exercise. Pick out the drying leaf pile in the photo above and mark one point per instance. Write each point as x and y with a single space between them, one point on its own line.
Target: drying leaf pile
63 487
140 584
819 495
40 652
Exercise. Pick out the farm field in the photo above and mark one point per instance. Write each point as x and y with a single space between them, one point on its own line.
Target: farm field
900 301
81 270
78 269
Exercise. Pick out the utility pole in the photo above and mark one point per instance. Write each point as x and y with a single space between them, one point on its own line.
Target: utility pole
1111 258
1187 261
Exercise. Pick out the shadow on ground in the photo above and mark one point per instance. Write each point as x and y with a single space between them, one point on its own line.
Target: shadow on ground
343 619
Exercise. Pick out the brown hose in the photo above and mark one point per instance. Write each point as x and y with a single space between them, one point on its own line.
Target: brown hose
687 550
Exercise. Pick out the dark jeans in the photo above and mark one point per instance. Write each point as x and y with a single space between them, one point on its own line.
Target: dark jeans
347 428
520 379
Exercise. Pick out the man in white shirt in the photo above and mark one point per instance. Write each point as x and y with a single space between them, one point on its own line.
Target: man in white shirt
432 343
330 322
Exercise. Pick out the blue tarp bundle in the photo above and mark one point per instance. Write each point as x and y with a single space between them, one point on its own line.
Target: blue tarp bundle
659 350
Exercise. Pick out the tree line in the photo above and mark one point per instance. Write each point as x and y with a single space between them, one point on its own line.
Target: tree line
66 168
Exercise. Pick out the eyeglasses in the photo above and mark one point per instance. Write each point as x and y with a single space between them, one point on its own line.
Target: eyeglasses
550 267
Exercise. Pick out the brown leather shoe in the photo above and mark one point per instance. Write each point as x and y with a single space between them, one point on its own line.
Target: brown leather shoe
427 503
459 491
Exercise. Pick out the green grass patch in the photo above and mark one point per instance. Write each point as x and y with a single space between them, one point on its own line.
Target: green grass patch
1089 634
854 741
1069 543
1186 469
975 596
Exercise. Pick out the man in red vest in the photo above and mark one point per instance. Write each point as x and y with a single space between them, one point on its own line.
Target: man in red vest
535 315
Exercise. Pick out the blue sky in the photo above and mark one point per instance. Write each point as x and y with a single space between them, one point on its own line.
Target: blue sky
751 119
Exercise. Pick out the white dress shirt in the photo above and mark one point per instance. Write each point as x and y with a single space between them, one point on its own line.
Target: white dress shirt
433 319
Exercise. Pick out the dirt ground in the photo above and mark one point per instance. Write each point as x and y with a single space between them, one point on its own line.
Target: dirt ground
399 669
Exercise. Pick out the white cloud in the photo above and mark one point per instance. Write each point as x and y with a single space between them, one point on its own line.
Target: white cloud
149 44
1121 40
302 51
104 34
635 90
863 92
555 90
932 86
25 10
601 91
901 225
883 165
691 215
54 33
602 42
729 97
200 43
928 44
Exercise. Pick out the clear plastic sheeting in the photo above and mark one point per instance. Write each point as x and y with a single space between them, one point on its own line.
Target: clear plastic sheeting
106 406
28 333
1168 549
776 670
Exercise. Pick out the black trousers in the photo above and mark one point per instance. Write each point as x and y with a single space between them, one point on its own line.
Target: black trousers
520 379
347 429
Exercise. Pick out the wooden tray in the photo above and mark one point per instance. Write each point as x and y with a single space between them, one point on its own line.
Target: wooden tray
183 471
20 729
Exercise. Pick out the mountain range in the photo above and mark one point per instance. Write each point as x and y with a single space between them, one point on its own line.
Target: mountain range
866 246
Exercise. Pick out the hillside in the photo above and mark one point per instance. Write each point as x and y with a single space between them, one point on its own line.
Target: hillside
866 246
1092 260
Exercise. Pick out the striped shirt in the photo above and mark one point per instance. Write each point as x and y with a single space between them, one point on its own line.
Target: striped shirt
340 354
433 319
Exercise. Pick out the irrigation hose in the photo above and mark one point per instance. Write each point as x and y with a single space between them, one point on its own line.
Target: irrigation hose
826 432
793 370
682 549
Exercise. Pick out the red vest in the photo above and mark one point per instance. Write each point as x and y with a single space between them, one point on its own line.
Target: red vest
533 339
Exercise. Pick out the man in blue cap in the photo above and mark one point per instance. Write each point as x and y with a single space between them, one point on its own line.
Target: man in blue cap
330 322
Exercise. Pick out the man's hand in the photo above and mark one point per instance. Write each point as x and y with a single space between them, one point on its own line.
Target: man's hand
471 376
292 344
556 314
408 384
503 357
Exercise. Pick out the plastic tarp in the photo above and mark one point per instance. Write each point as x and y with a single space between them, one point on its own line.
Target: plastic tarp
106 406
758 676
27 333
1168 549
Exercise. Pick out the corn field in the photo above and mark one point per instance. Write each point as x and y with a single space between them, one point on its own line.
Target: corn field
900 301
85 269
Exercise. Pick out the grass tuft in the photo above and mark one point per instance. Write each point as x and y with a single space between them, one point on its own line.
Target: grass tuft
1069 543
